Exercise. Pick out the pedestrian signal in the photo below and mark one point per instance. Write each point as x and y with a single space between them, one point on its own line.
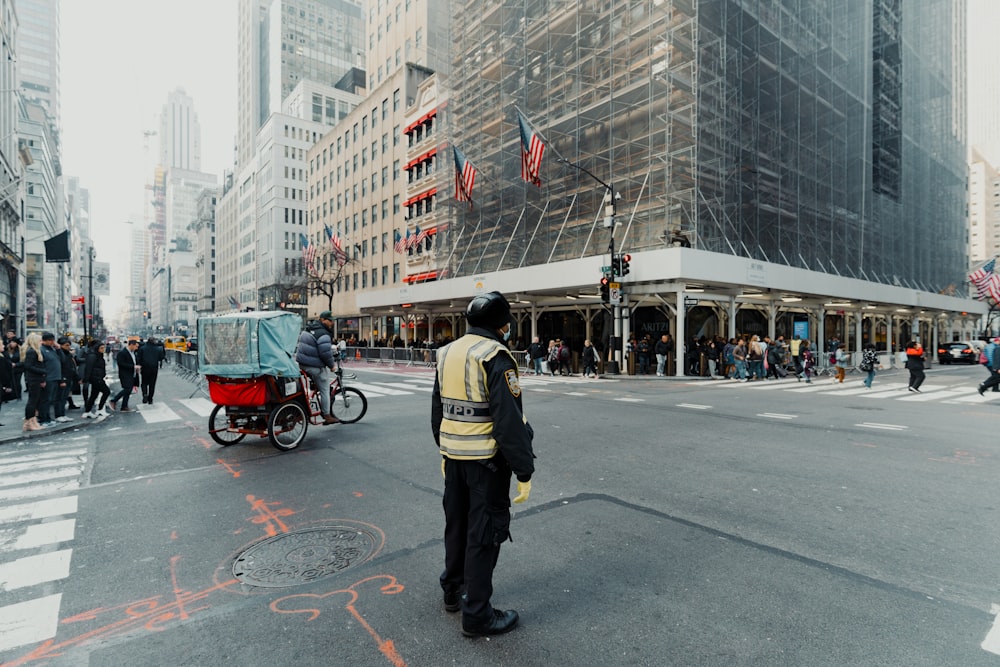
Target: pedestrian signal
623 264
605 290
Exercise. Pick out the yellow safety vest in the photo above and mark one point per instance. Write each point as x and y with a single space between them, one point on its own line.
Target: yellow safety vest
467 426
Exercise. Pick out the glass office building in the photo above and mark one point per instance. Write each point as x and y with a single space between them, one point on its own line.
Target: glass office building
822 134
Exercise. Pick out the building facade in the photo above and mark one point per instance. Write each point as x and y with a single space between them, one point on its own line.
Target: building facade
984 211
180 132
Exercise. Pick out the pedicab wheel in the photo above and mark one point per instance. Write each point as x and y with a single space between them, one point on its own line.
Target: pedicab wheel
286 427
218 428
348 405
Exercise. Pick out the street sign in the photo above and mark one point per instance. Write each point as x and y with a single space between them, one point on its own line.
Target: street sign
79 299
605 269
615 285
615 294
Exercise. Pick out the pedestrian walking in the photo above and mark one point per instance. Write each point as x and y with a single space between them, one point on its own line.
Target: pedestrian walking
66 381
14 352
126 375
479 426
661 350
915 364
94 372
643 351
841 358
148 360
6 377
33 363
589 357
316 356
993 366
53 379
536 352
869 362
808 360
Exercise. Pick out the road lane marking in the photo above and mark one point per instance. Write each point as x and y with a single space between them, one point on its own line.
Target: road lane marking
378 389
40 464
776 415
37 535
942 395
29 622
886 427
624 399
35 569
694 406
155 413
18 457
404 385
41 509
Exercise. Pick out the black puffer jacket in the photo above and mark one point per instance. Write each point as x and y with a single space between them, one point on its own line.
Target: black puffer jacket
94 370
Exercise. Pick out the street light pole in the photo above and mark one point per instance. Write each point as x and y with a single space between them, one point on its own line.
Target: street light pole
617 343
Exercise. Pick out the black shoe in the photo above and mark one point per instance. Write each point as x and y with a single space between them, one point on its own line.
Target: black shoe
980 389
453 601
502 621
74 407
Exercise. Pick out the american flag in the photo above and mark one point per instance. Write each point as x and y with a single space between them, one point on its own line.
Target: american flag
983 277
465 177
234 303
338 250
531 152
418 236
308 251
400 244
992 288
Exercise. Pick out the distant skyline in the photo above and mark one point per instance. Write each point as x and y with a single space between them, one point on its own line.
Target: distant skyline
120 61
122 58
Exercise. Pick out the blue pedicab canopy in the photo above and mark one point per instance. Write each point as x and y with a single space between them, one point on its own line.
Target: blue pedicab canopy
248 345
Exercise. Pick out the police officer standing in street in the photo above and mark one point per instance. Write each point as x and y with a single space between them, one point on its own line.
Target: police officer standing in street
483 435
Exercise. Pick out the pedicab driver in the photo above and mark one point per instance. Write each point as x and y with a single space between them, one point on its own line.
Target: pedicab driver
483 436
316 356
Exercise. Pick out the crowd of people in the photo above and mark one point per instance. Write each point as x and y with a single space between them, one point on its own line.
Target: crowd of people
48 373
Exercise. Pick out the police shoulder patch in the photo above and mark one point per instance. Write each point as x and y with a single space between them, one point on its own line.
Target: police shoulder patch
512 382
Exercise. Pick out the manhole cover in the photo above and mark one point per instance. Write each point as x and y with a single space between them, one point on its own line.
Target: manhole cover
304 556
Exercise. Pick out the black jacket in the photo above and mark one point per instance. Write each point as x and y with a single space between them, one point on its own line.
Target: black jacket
68 366
512 433
148 355
95 368
126 367
34 370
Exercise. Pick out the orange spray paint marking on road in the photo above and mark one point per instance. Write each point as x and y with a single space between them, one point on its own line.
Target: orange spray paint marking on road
273 525
147 613
173 534
358 494
290 604
230 469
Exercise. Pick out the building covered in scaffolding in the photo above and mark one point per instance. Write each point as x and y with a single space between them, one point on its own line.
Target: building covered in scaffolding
810 141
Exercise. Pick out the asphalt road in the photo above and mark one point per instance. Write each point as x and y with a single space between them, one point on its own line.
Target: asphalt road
670 523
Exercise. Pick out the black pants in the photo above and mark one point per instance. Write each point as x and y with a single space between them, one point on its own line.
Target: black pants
916 377
90 397
147 383
128 382
992 382
35 390
477 521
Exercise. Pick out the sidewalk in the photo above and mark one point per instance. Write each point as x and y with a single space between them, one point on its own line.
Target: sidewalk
12 419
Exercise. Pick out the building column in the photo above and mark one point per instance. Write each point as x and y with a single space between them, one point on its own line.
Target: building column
679 337
858 334
890 337
821 331
534 321
772 316
732 318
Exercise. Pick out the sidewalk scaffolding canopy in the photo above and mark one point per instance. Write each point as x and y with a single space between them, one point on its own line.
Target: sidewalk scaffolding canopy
248 345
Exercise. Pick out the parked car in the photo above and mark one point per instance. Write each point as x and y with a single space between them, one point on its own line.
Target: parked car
962 351
175 343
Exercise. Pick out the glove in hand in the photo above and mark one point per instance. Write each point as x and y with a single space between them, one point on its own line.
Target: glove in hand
523 491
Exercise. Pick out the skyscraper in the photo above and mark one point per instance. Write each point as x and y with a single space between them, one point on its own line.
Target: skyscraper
180 133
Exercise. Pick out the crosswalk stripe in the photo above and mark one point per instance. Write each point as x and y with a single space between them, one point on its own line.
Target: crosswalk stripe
40 476
404 385
41 464
28 622
378 389
937 395
200 406
25 492
156 413
974 397
41 509
37 535
35 569
20 456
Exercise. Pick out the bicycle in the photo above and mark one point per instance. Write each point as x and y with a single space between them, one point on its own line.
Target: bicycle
352 404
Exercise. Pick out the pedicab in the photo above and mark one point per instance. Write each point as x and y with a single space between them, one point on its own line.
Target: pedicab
256 385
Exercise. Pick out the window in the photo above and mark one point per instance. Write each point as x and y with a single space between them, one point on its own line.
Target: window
385 275
395 272
395 204
395 100
395 169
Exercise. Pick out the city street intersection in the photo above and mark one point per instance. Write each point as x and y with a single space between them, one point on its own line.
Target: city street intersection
671 522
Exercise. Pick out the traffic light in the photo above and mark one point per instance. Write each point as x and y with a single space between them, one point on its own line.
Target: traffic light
605 289
616 265
623 264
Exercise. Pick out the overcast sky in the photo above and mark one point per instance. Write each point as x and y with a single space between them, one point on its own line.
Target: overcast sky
120 59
